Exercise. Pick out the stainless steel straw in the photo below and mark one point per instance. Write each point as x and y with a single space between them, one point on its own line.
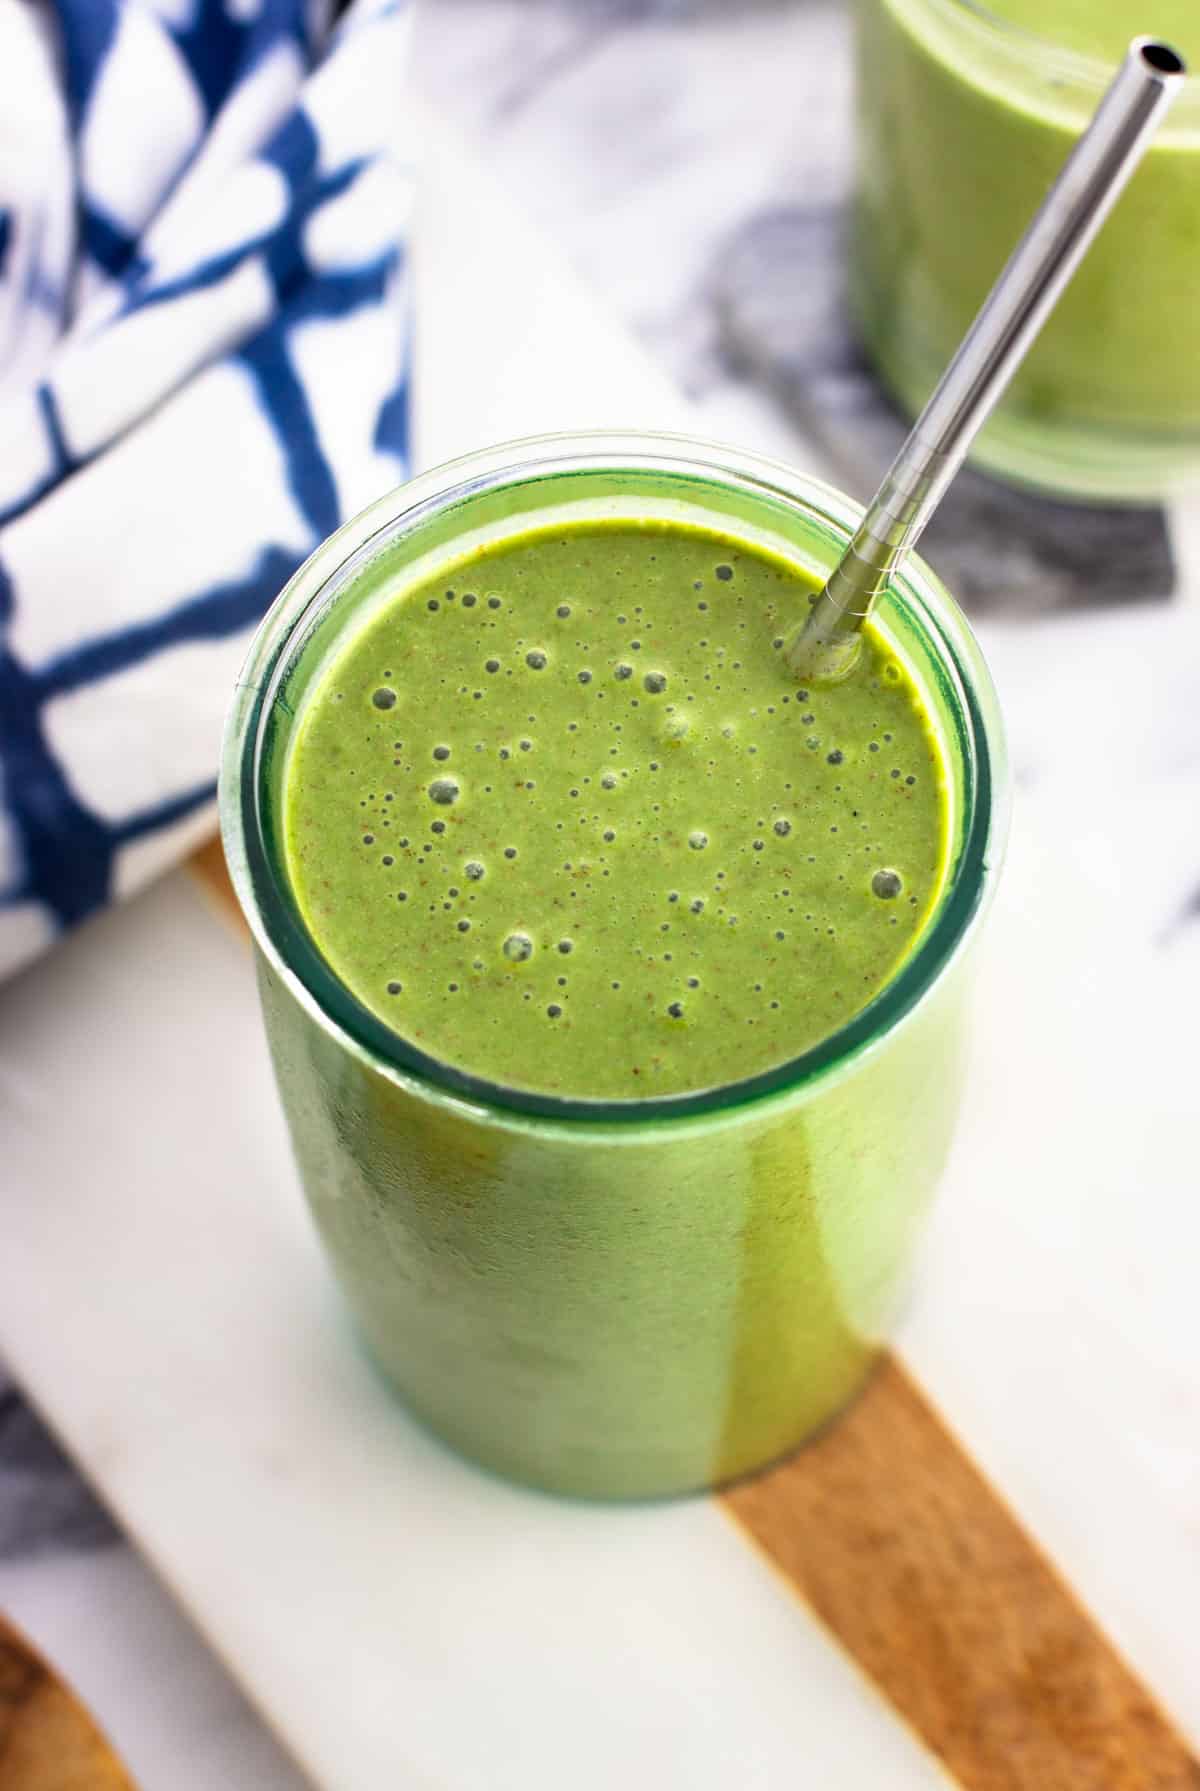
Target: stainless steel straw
1148 80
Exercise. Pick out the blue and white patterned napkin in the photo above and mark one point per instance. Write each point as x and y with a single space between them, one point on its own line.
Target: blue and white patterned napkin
203 214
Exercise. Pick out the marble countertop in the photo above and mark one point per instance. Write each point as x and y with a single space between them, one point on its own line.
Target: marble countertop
668 147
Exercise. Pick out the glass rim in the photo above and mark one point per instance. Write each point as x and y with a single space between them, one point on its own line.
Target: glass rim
1063 59
280 935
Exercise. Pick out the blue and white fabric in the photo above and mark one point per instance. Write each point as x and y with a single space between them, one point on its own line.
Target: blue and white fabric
203 281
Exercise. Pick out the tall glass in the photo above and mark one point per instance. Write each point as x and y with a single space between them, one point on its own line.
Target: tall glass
613 1298
962 123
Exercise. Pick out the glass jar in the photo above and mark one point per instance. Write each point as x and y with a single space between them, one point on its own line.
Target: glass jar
963 121
613 1298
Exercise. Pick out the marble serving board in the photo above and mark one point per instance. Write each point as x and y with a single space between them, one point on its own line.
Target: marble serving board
403 1620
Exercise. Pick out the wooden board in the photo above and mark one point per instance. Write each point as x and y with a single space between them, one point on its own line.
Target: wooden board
907 1554
48 1742
208 867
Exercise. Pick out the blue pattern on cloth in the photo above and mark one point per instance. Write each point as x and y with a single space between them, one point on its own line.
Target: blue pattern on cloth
203 371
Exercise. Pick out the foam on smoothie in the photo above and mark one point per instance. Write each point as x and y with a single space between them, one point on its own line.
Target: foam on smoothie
561 817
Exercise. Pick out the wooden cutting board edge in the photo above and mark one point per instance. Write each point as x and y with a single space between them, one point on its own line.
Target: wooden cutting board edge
48 1740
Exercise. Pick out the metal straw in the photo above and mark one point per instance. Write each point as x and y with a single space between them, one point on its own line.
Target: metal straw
1092 177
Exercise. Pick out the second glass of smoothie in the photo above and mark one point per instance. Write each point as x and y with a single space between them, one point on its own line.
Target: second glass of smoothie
966 111
614 981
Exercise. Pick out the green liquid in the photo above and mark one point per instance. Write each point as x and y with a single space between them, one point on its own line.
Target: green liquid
563 819
1103 28
644 1301
961 131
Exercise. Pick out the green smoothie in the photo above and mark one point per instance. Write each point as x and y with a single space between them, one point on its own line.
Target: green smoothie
614 982
561 816
1103 28
965 115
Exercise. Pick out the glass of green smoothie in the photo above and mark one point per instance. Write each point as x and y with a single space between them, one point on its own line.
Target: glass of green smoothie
615 983
965 112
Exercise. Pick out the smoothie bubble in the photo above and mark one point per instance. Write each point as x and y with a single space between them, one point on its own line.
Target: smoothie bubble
886 885
384 697
441 754
473 870
724 572
443 791
518 948
655 683
563 611
623 672
697 840
783 828
675 1009
536 660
